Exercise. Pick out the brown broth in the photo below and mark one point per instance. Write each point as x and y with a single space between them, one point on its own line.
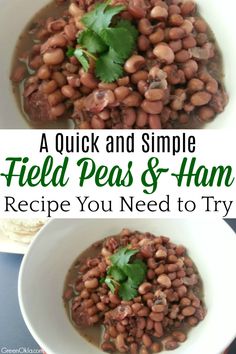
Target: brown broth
94 334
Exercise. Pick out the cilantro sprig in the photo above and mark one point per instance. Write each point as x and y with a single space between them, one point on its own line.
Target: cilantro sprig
125 274
108 44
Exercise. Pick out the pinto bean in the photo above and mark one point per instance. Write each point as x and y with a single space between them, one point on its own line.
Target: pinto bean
152 107
176 33
91 283
164 281
154 94
200 98
145 27
132 100
53 56
159 13
157 36
206 113
144 288
97 123
189 311
134 63
55 98
188 8
141 122
88 80
164 53
200 25
138 76
156 348
108 347
195 85
146 339
68 91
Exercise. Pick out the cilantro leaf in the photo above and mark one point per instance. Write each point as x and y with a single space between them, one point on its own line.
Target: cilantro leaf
128 25
136 272
70 52
122 257
101 16
91 41
119 39
116 273
127 291
108 68
79 54
111 284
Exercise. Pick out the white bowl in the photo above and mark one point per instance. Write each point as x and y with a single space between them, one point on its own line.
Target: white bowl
211 244
15 14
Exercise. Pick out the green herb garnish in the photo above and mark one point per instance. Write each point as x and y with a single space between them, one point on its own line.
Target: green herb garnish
125 274
107 44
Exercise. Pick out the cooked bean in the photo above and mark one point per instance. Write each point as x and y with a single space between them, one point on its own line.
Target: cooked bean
176 33
200 98
133 348
107 86
145 26
159 13
189 42
158 308
182 56
188 8
121 93
176 20
156 317
55 98
152 107
161 254
164 281
195 85
134 63
143 350
138 76
206 113
53 56
123 81
58 110
68 91
36 62
49 87
164 53
188 311
147 341
143 43
176 46
171 344
59 78
157 37
91 283
200 25
132 100
190 68
154 94
75 10
108 347
212 86
97 123
88 80
156 348
141 122
129 117
70 31
144 288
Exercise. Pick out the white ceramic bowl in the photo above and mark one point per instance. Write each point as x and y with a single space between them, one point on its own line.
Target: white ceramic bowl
211 244
15 14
